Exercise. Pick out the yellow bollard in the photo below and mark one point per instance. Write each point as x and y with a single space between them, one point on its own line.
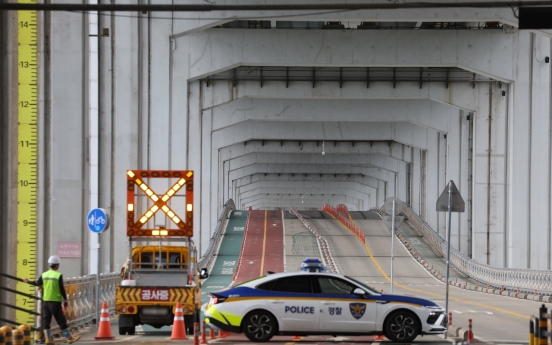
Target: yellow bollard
26 334
17 337
8 334
531 331
2 338
543 327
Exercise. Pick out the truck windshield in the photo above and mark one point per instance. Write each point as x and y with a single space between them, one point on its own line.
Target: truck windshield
151 260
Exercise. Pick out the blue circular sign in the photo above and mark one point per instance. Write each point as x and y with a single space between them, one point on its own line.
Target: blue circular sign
97 220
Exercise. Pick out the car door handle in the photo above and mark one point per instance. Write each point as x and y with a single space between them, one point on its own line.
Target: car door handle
328 303
382 302
278 302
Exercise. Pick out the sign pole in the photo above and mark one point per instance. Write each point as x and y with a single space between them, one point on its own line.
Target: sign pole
392 244
98 221
98 287
393 206
452 202
448 249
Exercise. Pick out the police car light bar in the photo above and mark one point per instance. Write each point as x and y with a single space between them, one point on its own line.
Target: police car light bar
313 265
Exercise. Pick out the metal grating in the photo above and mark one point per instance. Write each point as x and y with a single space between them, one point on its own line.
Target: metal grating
420 75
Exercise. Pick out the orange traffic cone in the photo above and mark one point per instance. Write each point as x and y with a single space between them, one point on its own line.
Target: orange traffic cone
296 337
204 334
179 329
104 329
379 337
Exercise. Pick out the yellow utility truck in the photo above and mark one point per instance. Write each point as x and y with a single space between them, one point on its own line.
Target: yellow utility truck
161 268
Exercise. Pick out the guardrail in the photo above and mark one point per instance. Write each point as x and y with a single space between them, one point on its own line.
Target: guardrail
206 258
529 281
322 243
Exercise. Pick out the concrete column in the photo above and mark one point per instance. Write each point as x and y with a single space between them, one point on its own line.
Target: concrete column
8 137
519 153
194 145
415 180
69 178
433 182
121 95
539 124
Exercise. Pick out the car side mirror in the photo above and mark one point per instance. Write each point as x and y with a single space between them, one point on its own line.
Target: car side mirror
359 291
203 273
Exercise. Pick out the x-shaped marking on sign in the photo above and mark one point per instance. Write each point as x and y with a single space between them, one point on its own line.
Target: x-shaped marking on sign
160 203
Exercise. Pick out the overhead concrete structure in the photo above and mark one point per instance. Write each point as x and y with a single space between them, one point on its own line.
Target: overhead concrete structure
290 108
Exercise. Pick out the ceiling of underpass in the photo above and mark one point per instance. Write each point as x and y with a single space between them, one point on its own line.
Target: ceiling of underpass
306 172
334 134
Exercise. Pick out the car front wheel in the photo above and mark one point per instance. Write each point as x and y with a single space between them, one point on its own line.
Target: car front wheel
259 326
402 326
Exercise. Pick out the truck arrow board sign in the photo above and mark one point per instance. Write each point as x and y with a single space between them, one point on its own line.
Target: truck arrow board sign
138 185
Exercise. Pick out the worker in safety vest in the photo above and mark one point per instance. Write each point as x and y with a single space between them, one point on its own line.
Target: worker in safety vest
54 299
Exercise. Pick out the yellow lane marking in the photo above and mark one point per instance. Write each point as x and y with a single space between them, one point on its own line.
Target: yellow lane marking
264 243
431 293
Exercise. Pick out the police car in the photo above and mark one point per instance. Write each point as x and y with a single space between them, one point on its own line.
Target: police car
314 301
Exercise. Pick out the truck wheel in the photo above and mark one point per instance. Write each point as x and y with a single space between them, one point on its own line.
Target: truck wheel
122 330
259 325
131 330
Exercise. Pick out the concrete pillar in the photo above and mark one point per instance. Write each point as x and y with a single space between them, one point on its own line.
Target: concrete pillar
194 145
519 154
539 158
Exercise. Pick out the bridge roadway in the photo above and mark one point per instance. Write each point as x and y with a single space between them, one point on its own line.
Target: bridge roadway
497 319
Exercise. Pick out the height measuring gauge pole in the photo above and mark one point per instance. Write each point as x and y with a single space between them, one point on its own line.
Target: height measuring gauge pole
98 222
27 157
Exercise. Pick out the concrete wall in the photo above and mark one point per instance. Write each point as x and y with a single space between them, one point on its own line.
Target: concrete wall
6 265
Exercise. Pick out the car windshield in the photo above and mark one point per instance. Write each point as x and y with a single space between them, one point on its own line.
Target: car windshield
364 286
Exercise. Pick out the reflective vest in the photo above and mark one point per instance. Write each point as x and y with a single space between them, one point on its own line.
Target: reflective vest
50 281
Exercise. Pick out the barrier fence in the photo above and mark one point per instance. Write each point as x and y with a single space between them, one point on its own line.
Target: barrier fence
524 280
342 214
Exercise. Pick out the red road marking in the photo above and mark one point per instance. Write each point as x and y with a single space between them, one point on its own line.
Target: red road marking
263 248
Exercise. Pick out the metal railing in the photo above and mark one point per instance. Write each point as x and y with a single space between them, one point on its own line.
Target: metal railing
205 259
322 243
81 295
15 292
525 280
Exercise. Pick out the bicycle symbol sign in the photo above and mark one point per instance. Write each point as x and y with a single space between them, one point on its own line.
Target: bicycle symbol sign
97 220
